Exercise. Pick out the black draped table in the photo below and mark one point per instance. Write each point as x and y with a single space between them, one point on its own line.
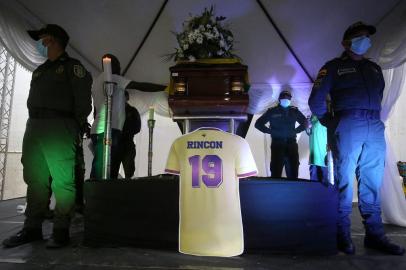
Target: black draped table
279 215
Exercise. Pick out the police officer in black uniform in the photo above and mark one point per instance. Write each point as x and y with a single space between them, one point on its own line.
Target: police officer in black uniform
282 120
58 104
356 133
132 126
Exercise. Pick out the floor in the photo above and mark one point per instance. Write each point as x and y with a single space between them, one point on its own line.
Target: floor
78 257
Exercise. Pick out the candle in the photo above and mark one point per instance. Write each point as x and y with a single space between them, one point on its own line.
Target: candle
107 69
151 113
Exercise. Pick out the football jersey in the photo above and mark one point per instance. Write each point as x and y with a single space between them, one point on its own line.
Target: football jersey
210 162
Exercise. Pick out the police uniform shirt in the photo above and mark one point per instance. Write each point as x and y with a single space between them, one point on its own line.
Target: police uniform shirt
61 86
209 162
117 106
351 85
282 122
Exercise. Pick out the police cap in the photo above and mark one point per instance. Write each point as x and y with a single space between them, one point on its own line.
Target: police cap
285 94
356 27
52 30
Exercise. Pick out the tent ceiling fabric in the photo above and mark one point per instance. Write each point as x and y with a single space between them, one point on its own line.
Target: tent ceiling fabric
312 28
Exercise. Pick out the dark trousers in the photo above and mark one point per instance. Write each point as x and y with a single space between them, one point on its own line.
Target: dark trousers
97 164
79 173
284 153
49 151
359 150
127 157
318 173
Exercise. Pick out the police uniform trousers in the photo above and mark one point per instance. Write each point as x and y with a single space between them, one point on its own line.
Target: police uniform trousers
284 152
359 146
49 151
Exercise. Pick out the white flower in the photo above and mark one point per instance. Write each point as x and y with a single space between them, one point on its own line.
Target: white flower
220 52
230 38
191 58
185 46
199 39
215 32
208 26
208 35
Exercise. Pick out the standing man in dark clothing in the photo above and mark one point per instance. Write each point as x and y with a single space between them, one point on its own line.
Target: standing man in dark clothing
356 86
58 104
132 126
282 120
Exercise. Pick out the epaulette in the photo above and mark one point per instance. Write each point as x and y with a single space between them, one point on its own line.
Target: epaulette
274 106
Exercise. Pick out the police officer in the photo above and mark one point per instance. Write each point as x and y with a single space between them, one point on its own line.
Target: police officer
58 103
282 120
132 126
356 86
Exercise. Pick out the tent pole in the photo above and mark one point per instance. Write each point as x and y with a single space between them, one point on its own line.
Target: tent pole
145 37
284 40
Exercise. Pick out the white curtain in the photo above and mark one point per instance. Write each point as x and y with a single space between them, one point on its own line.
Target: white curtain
14 37
389 51
393 198
389 48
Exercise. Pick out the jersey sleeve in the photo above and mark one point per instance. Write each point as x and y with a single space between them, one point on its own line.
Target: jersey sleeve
245 163
172 163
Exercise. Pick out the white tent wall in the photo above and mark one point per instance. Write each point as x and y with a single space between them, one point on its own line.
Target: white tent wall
312 28
397 128
14 185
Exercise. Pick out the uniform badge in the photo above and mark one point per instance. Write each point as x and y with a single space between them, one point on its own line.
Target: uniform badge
343 71
79 71
59 70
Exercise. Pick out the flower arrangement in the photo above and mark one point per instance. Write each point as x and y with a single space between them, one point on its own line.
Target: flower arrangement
204 36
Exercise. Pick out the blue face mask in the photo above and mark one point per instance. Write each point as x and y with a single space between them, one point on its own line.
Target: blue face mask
360 45
284 102
43 50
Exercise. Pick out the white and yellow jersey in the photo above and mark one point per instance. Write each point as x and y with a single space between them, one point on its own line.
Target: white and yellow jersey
210 162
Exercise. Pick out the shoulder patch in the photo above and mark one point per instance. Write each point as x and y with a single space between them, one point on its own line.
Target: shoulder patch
79 71
322 72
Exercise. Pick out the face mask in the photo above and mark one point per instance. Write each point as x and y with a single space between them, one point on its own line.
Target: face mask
360 45
43 50
284 103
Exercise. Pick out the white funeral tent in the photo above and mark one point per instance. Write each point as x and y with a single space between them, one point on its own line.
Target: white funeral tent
283 43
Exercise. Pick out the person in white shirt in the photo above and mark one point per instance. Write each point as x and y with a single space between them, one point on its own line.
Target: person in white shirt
117 121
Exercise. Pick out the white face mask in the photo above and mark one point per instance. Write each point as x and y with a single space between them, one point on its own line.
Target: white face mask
43 50
360 45
284 102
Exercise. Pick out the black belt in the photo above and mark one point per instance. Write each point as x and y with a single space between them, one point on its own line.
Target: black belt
360 113
284 140
49 114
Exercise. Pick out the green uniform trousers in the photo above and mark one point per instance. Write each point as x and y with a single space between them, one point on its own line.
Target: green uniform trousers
49 151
